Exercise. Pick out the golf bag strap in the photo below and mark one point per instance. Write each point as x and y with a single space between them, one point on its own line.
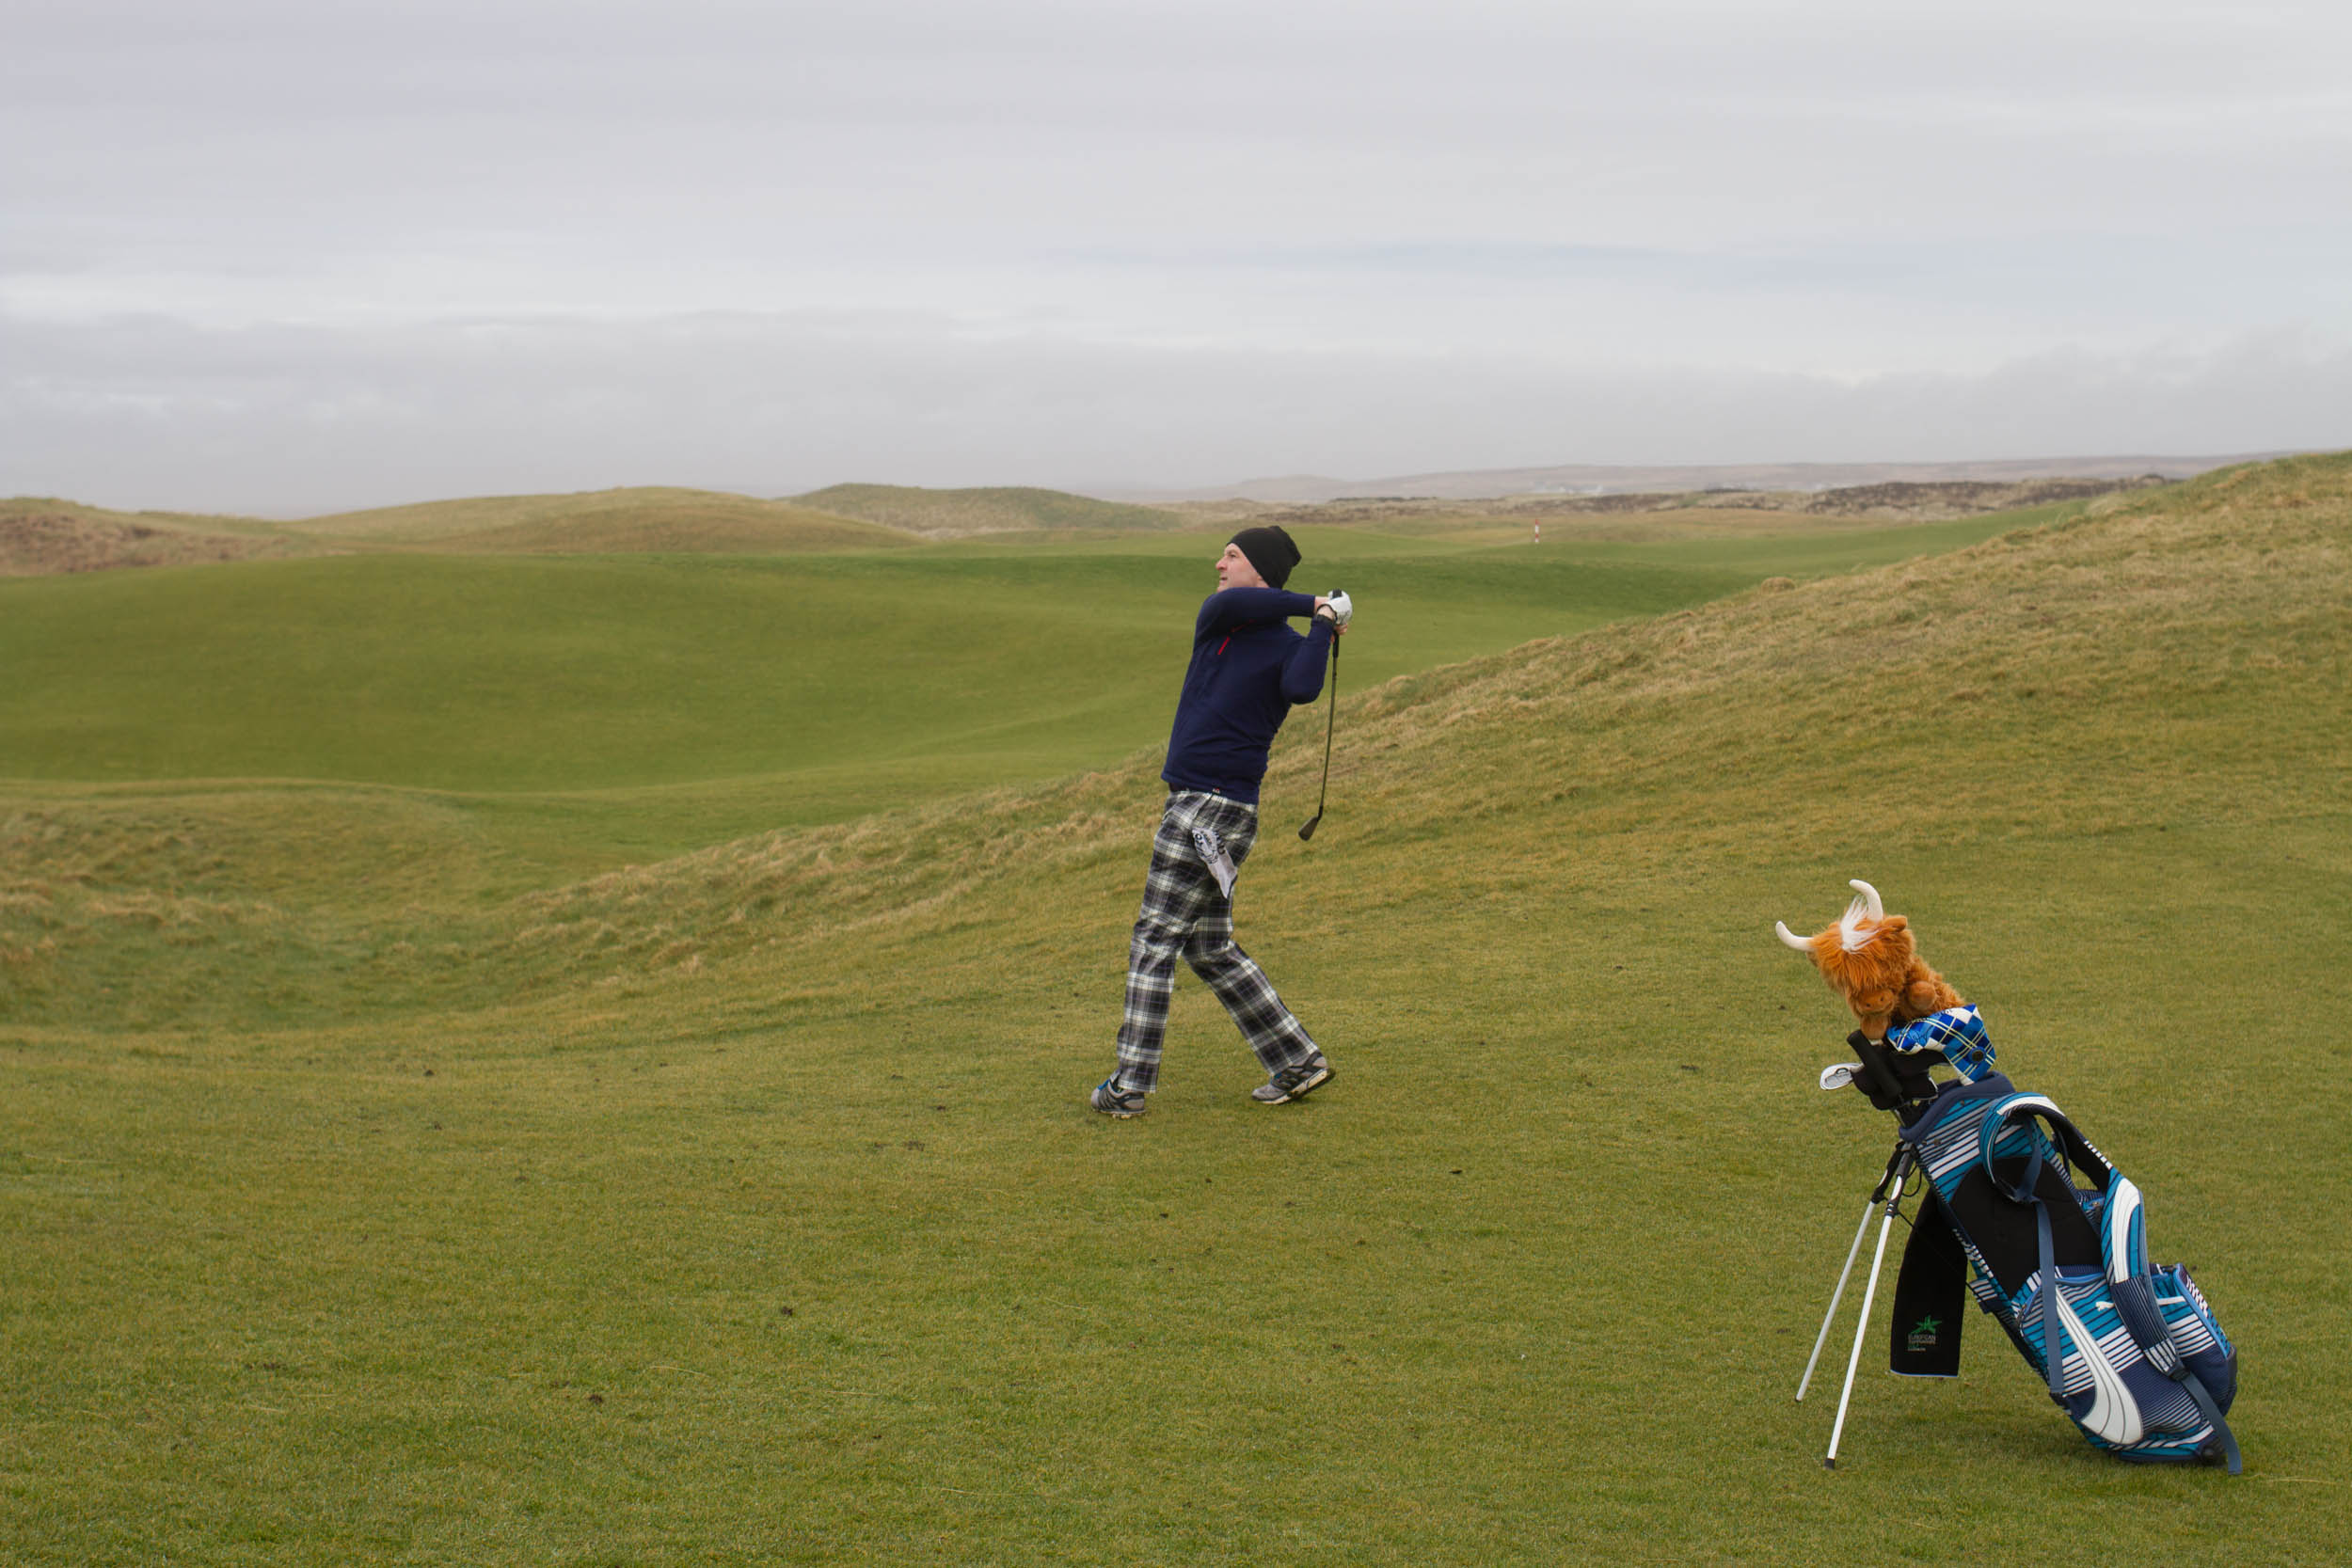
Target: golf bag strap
2212 1412
2053 1332
2069 1143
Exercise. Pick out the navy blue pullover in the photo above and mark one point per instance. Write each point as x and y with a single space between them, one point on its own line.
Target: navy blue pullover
1248 669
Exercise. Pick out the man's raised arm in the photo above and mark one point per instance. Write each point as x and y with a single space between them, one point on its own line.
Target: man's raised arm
1302 672
1228 608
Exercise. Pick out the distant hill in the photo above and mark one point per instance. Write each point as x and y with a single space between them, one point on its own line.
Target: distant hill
1605 477
994 510
41 535
631 522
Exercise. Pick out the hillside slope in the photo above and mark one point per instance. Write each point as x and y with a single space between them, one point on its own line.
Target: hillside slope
43 535
637 520
990 509
2178 659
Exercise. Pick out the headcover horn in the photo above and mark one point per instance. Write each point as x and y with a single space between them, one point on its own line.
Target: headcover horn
1854 928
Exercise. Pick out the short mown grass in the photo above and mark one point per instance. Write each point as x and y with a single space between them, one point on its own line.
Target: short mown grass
741 1206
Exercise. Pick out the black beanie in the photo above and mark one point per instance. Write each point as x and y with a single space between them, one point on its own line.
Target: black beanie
1270 551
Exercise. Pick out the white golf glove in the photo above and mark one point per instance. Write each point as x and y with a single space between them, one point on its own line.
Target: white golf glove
1337 607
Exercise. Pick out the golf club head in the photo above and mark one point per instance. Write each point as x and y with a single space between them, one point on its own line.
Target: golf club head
1307 829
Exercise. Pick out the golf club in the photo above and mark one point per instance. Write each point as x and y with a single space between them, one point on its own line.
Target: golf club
1307 829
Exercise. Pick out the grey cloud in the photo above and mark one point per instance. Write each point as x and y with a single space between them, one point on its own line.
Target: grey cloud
291 253
152 413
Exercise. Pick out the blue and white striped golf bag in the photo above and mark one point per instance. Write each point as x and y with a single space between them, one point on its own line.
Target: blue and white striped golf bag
2129 1348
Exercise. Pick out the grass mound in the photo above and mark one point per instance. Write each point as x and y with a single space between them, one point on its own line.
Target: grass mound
638 520
40 536
684 529
742 1204
990 509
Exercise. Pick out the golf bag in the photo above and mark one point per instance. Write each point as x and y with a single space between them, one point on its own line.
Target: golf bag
2129 1349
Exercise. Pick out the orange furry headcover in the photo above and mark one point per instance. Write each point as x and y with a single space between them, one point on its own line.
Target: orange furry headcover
1870 959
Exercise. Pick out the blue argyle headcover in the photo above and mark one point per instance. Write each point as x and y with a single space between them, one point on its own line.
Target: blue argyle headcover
1957 1033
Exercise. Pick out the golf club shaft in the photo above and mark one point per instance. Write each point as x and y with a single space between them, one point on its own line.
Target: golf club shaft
1331 725
1307 829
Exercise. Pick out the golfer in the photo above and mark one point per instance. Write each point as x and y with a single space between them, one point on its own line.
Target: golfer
1248 669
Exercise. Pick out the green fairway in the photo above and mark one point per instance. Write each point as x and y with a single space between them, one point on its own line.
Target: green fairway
799 688
389 1173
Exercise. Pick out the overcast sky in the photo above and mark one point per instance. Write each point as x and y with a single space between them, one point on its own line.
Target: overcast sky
295 255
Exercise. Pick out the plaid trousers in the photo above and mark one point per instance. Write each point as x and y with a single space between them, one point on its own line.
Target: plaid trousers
1185 913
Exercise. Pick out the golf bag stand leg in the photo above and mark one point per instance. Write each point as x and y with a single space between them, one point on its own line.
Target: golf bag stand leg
1869 1205
1898 1172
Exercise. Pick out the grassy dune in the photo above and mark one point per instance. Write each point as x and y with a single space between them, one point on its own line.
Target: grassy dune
205 523
987 510
742 1204
41 535
630 520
